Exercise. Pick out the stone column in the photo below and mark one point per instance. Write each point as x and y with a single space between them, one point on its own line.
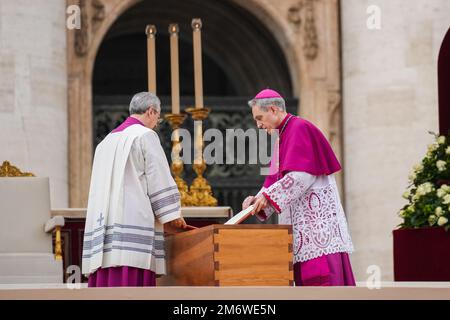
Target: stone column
33 84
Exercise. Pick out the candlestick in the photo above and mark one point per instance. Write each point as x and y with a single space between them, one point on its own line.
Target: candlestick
200 190
174 68
150 30
198 76
175 121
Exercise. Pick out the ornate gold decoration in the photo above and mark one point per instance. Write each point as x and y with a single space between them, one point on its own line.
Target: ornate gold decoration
200 190
175 121
58 246
311 44
198 114
7 170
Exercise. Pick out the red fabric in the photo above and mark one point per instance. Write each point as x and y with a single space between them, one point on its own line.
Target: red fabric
421 254
267 94
122 277
327 270
128 122
302 147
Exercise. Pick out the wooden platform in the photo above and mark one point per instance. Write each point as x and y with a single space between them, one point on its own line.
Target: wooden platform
234 293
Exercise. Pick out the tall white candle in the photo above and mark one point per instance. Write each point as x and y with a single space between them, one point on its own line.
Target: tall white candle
174 68
198 77
150 30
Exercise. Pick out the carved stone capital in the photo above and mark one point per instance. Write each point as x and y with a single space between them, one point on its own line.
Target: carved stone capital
91 18
301 15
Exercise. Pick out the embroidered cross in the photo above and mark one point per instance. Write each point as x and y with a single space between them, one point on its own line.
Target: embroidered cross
100 220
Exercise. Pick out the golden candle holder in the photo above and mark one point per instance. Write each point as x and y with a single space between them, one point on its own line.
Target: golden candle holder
200 190
175 121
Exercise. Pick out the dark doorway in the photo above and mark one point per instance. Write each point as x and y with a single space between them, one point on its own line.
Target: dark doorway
240 58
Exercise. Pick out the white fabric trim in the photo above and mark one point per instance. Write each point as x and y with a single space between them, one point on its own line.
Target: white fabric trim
312 206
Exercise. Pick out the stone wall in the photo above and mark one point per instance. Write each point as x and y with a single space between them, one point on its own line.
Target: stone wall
389 104
33 91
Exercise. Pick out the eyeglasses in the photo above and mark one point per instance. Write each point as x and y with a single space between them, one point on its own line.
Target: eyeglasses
159 121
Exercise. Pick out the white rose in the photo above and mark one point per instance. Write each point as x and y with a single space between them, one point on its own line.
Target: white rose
446 199
442 191
412 176
420 191
406 194
446 188
432 220
447 151
432 147
418 168
442 221
440 164
424 188
438 211
441 140
411 208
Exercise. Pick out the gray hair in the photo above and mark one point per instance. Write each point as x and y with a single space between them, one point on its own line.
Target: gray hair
142 101
264 104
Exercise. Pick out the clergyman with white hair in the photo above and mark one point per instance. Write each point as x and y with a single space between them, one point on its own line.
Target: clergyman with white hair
132 195
302 191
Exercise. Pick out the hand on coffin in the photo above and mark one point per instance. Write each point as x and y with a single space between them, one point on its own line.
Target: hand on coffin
175 226
260 203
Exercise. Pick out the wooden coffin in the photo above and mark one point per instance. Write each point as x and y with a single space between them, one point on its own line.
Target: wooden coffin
230 255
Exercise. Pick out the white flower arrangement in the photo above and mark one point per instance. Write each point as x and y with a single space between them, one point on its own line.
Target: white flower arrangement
429 192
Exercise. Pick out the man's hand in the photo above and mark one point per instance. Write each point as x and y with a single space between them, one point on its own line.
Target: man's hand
178 223
259 204
247 202
174 226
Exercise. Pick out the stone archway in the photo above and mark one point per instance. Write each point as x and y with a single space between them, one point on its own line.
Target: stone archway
306 30
238 51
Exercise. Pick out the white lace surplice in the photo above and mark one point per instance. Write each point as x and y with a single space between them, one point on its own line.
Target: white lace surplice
312 206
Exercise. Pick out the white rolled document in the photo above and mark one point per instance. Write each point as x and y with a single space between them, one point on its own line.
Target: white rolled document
241 216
